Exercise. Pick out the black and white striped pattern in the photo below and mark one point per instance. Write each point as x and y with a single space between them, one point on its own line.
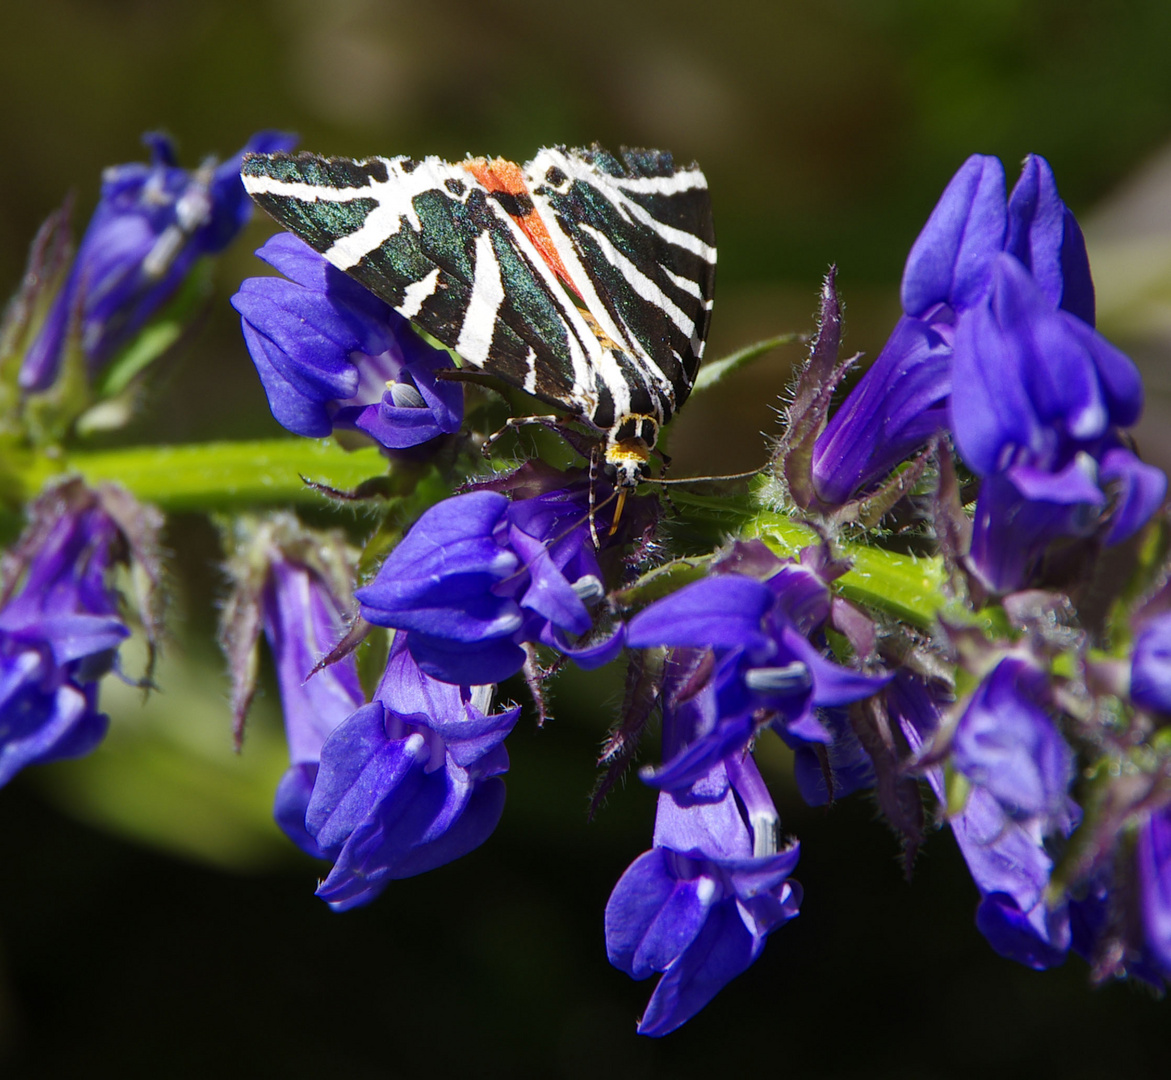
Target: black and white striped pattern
634 240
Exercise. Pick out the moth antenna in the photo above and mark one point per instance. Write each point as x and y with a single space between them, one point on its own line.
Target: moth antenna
701 479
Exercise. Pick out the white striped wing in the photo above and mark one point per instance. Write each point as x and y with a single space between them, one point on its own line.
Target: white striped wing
453 257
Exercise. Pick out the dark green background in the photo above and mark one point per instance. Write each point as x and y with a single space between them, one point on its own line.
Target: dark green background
827 131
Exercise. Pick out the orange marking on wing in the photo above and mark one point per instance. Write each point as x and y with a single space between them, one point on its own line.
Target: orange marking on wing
506 176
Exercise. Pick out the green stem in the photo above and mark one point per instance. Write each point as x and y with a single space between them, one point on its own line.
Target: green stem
907 586
225 475
219 475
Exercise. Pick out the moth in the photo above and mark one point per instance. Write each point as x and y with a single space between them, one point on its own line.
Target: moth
580 278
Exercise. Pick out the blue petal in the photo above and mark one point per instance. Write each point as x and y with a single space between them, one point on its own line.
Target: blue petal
1036 227
360 768
37 728
292 799
1150 665
652 916
1120 381
950 261
896 407
439 581
1138 490
295 410
1077 294
1038 938
1007 744
592 655
1010 534
1076 483
548 594
717 612
641 893
710 827
467 663
731 735
722 951
1003 856
1153 871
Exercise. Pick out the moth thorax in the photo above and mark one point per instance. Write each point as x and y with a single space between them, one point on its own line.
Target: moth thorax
629 446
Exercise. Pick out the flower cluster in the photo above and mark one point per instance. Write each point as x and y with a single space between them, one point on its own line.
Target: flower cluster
998 299
973 665
757 617
480 575
383 789
61 621
152 224
699 905
408 782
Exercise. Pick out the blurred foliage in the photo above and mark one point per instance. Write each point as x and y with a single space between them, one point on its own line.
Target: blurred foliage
167 775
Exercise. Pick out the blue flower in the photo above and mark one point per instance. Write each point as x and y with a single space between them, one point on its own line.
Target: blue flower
332 355
408 782
303 620
1150 666
902 400
152 223
1006 743
1045 399
697 908
764 670
479 575
1020 769
59 630
1010 862
1153 872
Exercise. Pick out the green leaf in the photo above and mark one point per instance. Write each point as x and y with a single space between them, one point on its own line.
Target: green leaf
158 335
154 340
717 370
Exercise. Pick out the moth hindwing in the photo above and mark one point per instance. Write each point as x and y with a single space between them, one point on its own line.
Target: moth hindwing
584 280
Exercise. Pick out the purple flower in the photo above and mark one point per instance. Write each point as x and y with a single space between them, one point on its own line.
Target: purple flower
698 906
903 399
1010 863
478 575
896 407
1150 665
1153 865
1020 769
59 630
764 668
332 355
408 782
152 223
1006 743
1045 399
303 620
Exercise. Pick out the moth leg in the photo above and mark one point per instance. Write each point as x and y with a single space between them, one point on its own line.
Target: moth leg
554 423
594 455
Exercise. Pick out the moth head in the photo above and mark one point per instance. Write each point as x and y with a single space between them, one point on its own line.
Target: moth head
630 470
628 449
